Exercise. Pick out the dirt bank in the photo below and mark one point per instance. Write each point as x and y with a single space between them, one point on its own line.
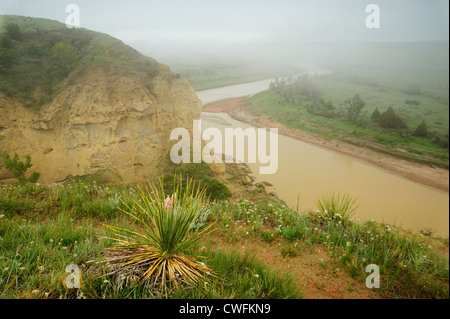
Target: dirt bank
436 177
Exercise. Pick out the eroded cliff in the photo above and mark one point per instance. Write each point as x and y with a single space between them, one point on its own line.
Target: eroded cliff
100 119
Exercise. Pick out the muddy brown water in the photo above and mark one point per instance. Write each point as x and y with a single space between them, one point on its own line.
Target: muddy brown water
306 171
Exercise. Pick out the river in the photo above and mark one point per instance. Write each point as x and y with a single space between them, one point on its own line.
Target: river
306 171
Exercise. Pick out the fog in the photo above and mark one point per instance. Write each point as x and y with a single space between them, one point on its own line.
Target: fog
199 31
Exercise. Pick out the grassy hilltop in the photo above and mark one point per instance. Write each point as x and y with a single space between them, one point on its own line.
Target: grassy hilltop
39 57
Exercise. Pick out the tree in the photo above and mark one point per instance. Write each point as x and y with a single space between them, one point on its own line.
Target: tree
64 57
390 119
353 106
18 168
375 115
13 32
421 130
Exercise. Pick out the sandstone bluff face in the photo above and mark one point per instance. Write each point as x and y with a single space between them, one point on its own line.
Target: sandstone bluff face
100 121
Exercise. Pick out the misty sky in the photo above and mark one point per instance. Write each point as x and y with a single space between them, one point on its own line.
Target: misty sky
201 23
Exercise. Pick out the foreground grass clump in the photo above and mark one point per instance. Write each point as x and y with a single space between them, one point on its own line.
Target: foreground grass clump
201 174
34 254
335 206
161 256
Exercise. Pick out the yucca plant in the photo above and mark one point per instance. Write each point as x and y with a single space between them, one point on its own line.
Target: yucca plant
332 206
162 256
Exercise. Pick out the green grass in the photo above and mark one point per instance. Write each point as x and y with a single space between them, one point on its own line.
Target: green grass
389 141
34 254
201 174
213 75
65 226
433 100
411 265
45 228
243 277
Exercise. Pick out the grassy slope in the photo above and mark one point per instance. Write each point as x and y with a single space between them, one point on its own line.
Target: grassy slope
32 77
45 228
213 75
403 145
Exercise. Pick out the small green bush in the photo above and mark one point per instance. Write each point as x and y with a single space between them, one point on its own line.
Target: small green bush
289 233
18 168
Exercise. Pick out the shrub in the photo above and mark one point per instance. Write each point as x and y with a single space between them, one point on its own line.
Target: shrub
331 206
215 190
289 233
390 119
64 57
13 32
375 115
353 106
160 257
18 168
421 130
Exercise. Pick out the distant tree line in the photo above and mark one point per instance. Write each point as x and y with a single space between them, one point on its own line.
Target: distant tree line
302 91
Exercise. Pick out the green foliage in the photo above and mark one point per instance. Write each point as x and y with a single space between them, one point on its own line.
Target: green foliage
421 130
38 245
353 107
32 70
289 233
202 175
215 189
337 207
19 168
375 115
159 256
65 57
302 88
268 236
13 32
390 119
289 251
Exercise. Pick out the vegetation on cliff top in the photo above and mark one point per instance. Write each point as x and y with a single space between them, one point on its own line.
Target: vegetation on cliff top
40 57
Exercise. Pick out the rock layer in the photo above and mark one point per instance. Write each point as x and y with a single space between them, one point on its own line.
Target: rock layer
100 121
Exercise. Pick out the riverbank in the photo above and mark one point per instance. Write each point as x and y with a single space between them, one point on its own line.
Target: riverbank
428 175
